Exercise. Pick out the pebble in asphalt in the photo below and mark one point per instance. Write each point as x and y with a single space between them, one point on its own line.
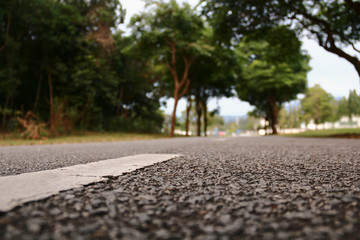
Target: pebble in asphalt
248 188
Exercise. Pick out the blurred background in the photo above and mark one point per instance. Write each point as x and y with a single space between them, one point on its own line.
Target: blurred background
70 67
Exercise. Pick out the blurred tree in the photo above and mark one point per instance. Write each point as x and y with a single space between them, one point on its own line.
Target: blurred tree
342 108
353 104
269 77
334 24
136 92
40 36
104 15
258 113
172 36
290 117
348 106
252 123
61 60
213 75
317 105
215 121
11 34
189 102
283 118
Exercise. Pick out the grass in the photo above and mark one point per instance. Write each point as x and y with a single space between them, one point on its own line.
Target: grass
330 133
9 139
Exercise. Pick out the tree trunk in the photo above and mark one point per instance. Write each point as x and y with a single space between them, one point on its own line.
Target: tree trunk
351 59
265 129
188 108
119 102
183 84
12 101
177 96
126 112
204 107
7 29
37 93
274 115
3 122
274 122
173 117
198 117
51 105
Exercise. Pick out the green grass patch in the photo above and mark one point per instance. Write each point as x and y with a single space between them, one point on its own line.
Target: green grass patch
79 137
330 133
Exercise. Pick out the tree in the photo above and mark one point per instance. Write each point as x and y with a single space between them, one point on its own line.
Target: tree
57 59
39 37
212 75
171 34
187 116
136 94
342 108
270 77
216 121
334 24
353 104
348 106
290 117
317 105
11 66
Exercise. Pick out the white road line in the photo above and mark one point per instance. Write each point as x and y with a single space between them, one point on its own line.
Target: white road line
18 189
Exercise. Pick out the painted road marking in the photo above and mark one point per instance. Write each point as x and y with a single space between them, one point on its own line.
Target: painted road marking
18 189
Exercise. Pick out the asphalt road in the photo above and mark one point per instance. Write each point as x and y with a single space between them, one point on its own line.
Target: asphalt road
21 159
222 188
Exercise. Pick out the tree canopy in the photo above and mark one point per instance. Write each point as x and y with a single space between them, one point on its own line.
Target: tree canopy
172 36
333 24
269 77
317 105
349 106
65 63
213 75
61 61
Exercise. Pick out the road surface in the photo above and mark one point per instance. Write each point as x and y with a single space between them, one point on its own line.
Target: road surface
221 188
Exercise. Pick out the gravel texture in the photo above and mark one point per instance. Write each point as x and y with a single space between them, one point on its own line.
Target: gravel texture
248 188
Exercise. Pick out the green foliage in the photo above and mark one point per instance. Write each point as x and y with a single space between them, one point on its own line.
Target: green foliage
268 77
216 121
133 123
168 23
251 123
317 105
171 37
342 108
353 103
214 73
290 117
61 60
333 24
348 106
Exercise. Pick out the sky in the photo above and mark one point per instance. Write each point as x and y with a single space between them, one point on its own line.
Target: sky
334 74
